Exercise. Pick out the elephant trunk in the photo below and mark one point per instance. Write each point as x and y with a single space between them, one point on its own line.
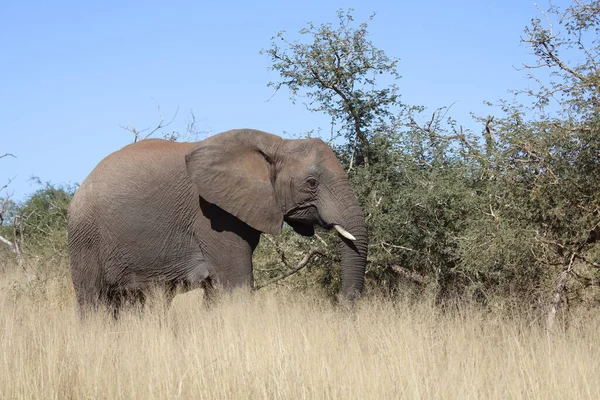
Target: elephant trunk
353 253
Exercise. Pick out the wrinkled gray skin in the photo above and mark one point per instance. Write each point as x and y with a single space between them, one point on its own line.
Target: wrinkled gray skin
188 215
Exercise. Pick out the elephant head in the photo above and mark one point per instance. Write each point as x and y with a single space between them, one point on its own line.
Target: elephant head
265 180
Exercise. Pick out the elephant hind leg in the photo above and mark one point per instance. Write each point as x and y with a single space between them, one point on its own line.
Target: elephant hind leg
88 292
87 303
94 298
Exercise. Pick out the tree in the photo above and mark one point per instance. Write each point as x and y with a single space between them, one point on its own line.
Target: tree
542 166
6 205
574 86
191 133
390 157
563 153
39 222
507 216
337 69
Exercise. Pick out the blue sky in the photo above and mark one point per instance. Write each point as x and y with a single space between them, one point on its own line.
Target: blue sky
72 72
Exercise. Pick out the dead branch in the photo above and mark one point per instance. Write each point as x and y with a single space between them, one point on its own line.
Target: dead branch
161 125
353 152
386 246
558 294
7 242
461 137
278 249
192 130
303 263
490 143
398 247
14 247
6 199
321 239
331 133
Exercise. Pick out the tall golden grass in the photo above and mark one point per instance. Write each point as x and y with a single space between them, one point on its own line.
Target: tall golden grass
284 346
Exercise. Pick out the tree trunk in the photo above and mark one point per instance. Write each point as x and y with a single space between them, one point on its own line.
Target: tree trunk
14 247
559 293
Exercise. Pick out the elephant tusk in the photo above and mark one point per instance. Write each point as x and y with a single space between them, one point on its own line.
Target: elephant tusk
344 232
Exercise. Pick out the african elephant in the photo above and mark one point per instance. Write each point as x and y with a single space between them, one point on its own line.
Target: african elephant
187 215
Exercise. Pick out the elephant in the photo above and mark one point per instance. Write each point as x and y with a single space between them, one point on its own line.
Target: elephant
181 216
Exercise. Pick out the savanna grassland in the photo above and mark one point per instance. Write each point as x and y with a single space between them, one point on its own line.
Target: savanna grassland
280 344
483 271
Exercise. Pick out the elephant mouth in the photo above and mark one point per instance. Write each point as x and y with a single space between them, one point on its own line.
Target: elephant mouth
301 228
303 218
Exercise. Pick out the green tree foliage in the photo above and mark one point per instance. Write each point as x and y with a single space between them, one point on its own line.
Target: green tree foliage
396 164
37 229
509 215
337 70
41 219
544 165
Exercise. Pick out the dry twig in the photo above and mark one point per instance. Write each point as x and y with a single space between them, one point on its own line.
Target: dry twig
303 263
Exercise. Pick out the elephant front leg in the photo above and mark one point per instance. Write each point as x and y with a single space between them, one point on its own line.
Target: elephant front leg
228 243
232 264
235 274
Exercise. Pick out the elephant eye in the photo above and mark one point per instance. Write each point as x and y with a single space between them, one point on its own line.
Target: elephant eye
312 183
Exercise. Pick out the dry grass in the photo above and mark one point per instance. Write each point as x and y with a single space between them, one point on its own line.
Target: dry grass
284 346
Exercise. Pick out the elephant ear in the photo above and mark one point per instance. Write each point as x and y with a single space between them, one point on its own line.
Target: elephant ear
234 170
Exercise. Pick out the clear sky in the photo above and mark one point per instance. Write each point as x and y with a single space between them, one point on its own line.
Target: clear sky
72 72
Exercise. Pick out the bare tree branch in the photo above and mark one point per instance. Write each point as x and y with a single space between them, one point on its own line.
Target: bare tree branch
6 241
14 247
353 152
6 184
558 294
278 249
349 104
161 125
303 263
